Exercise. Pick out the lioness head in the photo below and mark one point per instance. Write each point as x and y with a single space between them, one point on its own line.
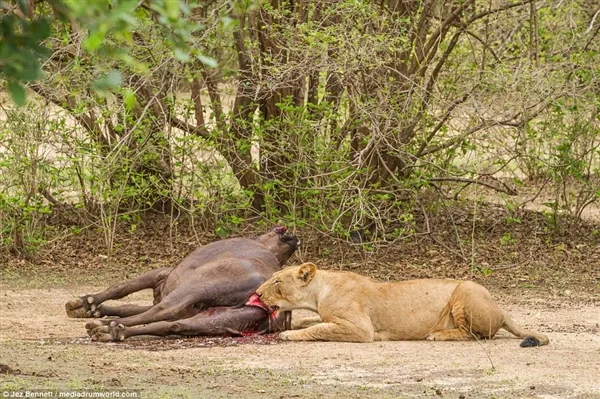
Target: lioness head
287 289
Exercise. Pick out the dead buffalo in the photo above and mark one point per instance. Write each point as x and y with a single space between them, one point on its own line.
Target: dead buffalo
205 294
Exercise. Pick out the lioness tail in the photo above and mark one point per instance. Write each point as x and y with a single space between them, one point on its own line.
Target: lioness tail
531 338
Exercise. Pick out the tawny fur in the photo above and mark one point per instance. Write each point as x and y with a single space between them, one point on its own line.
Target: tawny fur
356 308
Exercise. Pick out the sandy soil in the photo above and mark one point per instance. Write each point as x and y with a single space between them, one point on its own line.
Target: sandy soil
41 348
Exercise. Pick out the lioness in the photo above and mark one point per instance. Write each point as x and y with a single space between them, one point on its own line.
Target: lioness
355 308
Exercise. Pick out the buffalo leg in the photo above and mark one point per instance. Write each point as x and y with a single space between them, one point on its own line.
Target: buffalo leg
186 299
120 311
223 321
114 311
86 305
191 296
176 305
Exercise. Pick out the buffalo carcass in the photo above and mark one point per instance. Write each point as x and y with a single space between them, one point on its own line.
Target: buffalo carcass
205 294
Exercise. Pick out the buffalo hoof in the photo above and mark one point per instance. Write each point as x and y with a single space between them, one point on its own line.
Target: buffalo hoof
92 325
82 307
107 333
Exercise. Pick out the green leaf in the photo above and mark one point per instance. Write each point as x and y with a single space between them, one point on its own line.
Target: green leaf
222 232
185 8
181 55
31 69
108 82
228 22
132 62
208 61
94 41
40 29
17 92
172 9
125 12
129 99
24 6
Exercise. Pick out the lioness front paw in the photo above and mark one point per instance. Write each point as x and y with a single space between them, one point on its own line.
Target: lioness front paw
286 335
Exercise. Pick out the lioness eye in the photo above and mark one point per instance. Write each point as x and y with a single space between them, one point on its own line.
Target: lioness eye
276 282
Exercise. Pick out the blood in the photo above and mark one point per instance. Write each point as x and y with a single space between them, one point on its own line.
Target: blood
280 229
255 300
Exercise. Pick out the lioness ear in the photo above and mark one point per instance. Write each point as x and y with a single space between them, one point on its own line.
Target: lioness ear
307 272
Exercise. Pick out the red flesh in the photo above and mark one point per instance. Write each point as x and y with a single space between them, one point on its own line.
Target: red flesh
255 300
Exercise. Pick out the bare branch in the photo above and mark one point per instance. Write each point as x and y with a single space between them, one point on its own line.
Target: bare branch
186 127
487 47
85 120
440 124
504 189
503 7
197 100
441 31
514 122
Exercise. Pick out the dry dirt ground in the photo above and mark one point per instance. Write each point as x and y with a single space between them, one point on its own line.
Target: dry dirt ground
547 279
41 348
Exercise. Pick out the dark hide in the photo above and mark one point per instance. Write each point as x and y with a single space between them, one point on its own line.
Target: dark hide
205 294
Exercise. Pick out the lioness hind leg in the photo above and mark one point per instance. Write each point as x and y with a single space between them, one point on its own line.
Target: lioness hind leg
475 315
459 333
454 334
